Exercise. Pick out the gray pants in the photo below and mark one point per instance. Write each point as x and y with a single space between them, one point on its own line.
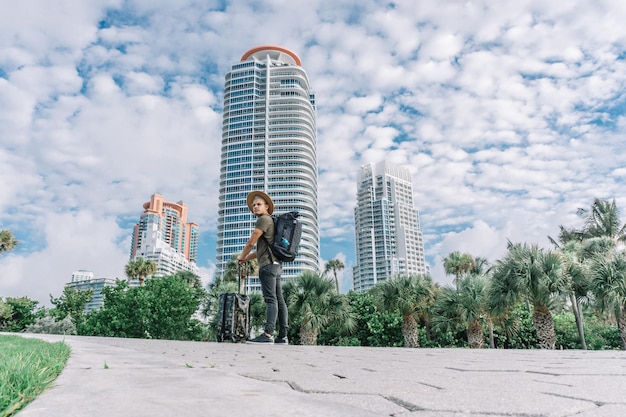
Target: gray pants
275 306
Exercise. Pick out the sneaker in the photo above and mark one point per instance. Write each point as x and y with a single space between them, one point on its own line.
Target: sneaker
262 338
281 341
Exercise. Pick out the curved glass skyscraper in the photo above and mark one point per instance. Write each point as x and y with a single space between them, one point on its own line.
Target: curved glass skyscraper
269 143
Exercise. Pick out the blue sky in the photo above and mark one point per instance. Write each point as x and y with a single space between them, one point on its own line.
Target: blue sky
509 115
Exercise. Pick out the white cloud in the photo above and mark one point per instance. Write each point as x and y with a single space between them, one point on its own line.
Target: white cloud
399 30
359 105
138 83
73 241
51 29
441 46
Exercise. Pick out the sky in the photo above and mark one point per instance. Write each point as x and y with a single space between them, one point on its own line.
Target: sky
510 115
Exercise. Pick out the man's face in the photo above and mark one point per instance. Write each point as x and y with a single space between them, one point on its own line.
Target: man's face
259 206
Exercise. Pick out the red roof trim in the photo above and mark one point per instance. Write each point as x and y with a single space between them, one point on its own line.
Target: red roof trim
273 48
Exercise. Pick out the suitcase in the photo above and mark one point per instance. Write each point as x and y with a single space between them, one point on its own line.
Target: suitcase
233 314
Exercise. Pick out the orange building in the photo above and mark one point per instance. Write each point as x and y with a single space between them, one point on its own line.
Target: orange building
163 227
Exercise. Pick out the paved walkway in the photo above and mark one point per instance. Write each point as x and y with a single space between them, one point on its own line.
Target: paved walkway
158 378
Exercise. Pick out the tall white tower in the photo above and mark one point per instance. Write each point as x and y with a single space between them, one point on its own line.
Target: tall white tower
388 236
269 143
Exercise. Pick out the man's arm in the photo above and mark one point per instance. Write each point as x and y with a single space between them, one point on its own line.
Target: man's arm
245 253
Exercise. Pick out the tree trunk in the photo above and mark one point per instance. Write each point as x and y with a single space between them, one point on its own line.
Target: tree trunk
409 332
621 325
429 335
475 337
579 321
492 342
308 337
544 325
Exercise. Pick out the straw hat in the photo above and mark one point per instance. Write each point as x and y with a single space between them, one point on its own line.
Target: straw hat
262 195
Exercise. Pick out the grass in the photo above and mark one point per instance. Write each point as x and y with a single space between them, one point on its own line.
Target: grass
27 368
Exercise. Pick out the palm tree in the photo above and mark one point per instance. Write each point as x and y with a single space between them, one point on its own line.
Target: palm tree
577 286
480 266
210 302
608 280
411 296
601 233
483 268
149 268
190 279
231 271
132 270
466 306
457 264
313 300
528 272
251 268
140 268
7 241
602 219
572 247
334 265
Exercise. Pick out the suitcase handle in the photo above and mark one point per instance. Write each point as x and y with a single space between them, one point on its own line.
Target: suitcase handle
241 269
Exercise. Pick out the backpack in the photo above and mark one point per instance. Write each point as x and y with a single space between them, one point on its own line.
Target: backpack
287 233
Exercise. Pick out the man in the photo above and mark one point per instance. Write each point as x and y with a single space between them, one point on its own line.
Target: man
270 268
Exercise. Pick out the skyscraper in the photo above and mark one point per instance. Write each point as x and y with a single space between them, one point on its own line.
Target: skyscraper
387 229
164 236
269 143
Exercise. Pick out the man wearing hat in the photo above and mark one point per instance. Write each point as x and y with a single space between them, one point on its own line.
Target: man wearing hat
270 268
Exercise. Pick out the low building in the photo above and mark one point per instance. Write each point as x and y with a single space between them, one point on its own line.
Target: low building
84 280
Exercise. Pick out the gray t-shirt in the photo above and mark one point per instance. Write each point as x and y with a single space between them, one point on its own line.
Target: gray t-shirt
266 224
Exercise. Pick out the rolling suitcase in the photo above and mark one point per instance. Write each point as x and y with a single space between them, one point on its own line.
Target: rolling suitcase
233 314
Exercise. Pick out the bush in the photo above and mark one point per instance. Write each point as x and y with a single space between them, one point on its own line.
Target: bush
441 338
516 330
50 325
566 332
600 337
374 327
161 309
597 335
17 313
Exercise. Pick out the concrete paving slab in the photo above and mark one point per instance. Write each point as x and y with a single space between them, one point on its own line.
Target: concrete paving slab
616 410
123 377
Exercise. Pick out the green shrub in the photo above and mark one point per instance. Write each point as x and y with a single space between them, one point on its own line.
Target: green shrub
16 313
516 330
598 335
442 338
49 325
566 332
